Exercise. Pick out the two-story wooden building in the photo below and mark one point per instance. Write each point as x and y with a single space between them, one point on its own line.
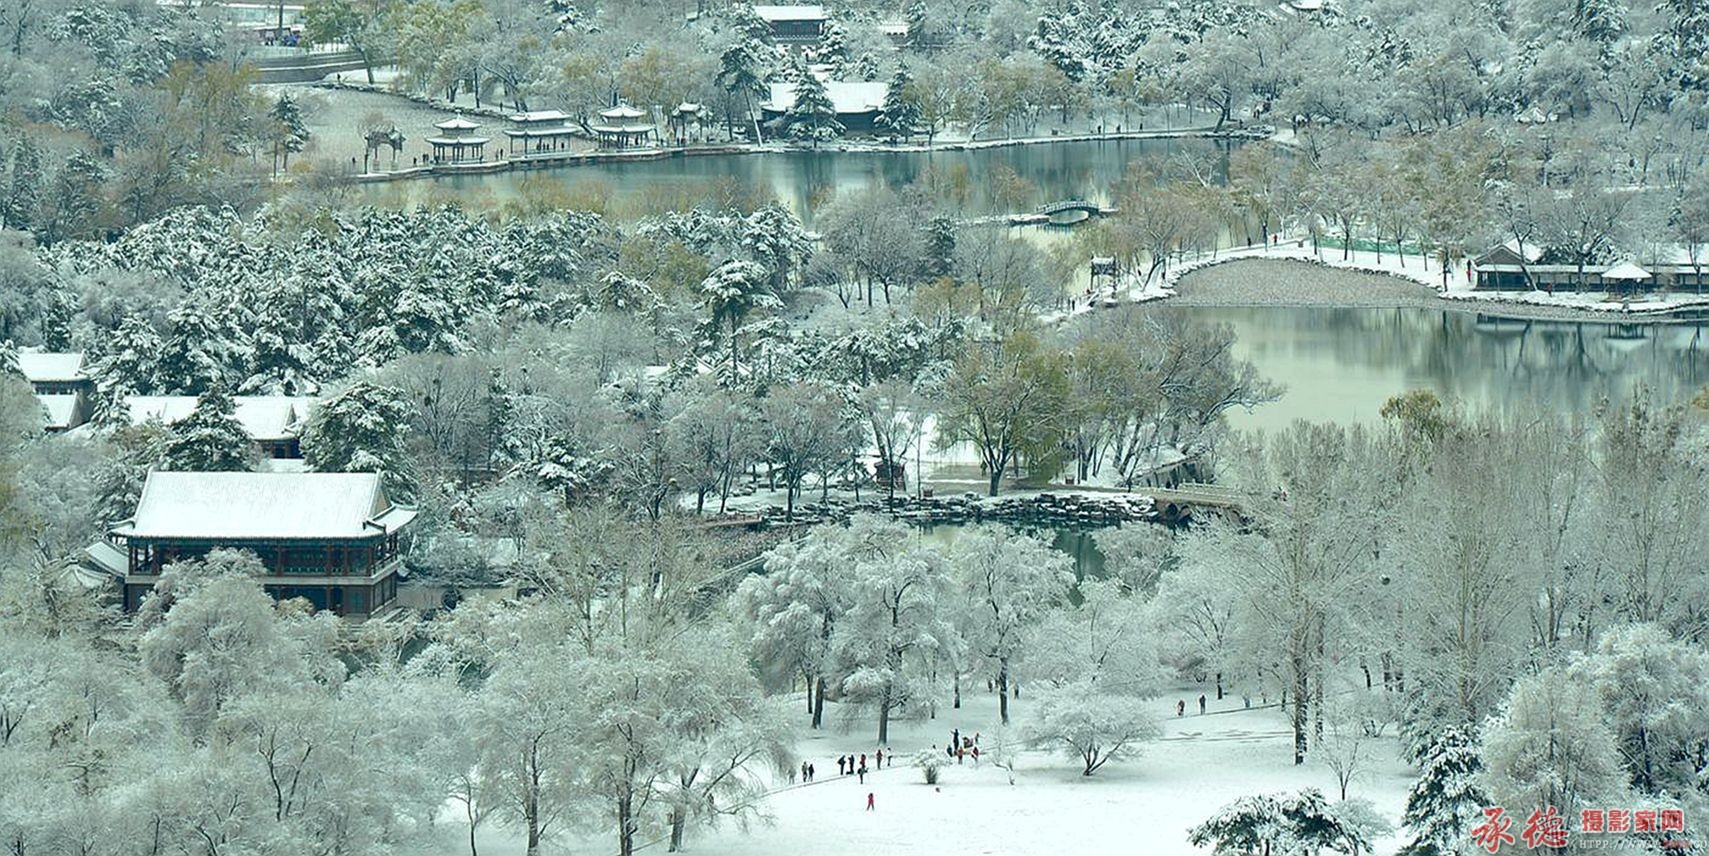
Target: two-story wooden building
328 538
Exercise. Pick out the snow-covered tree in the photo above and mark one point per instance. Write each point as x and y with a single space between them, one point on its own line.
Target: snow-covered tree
813 116
900 113
215 637
1090 724
1011 580
362 430
210 439
1654 692
1446 802
732 291
796 606
897 623
1550 746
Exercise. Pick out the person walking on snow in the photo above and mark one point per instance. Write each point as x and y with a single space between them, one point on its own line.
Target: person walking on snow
863 760
841 763
862 772
869 806
878 760
811 770
1181 707
1201 704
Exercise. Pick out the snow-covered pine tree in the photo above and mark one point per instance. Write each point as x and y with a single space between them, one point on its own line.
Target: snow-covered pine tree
1446 800
23 201
363 430
901 110
203 351
940 246
813 116
130 358
210 439
290 133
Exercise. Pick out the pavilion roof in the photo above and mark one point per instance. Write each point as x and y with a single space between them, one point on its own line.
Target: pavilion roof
60 409
533 116
263 506
621 111
773 14
49 366
264 417
848 96
456 124
1626 270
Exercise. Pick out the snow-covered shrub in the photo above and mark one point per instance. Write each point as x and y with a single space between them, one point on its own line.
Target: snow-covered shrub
930 764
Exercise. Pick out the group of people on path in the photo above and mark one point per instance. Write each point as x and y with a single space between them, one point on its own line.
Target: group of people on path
961 747
1181 706
847 765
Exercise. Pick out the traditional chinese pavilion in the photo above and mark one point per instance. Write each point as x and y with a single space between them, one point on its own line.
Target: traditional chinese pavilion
623 127
328 538
458 142
540 132
794 24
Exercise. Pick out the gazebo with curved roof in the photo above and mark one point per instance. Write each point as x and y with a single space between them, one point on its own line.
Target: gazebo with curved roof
458 142
623 127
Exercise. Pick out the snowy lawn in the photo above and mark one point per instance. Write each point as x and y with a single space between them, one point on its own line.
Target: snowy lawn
1142 805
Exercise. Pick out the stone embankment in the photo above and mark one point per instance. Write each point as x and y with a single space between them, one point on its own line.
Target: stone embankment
1053 509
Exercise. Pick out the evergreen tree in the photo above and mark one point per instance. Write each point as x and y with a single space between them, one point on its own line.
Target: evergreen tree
834 50
202 352
901 110
918 23
813 116
290 134
75 203
131 357
210 439
940 247
742 75
23 201
1446 800
363 430
1684 40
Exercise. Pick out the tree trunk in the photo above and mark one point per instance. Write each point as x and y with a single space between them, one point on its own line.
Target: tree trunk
819 703
1003 690
625 823
884 722
678 821
1299 711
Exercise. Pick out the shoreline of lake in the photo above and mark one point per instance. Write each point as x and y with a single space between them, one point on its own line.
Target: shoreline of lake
1304 284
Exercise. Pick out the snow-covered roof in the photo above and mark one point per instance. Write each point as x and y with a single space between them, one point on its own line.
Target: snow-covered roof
688 107
51 367
61 410
1530 252
621 111
775 14
533 116
264 417
107 557
1626 270
849 96
457 124
263 506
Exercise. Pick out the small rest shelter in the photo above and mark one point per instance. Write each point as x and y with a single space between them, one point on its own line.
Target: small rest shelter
623 127
540 132
458 141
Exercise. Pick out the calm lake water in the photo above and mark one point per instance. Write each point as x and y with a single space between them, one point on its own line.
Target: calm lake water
804 180
1340 365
